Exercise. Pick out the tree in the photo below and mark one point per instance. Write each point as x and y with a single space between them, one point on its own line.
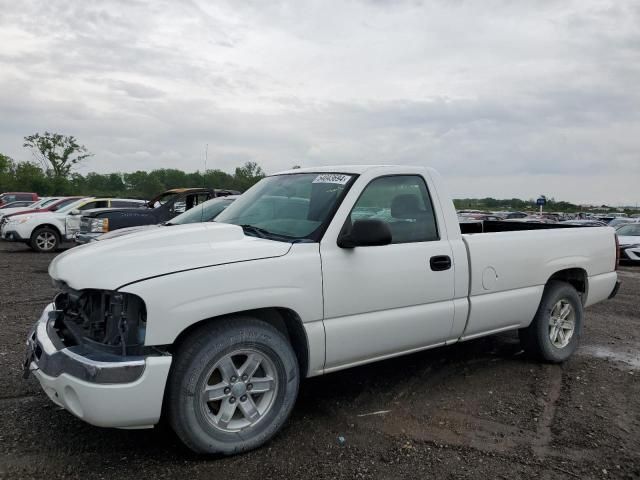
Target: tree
247 175
7 173
56 153
29 177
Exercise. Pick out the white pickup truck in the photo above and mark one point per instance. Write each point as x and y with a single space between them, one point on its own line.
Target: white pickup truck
309 272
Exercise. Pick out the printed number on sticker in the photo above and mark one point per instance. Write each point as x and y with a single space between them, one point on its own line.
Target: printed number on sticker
332 178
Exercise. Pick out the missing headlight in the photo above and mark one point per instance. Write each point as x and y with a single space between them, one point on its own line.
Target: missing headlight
113 322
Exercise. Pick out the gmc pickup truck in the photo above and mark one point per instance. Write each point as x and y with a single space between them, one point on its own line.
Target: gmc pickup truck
309 272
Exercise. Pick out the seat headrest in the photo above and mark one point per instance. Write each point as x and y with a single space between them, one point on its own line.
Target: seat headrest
405 206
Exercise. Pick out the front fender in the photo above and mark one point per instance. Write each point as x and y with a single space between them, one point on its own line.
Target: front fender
177 301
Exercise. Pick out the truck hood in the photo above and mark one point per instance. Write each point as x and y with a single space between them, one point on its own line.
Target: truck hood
95 212
159 251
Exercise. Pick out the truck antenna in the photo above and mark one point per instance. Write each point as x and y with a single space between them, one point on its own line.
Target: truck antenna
204 177
206 157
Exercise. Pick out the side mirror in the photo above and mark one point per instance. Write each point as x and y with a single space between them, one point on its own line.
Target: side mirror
76 212
366 233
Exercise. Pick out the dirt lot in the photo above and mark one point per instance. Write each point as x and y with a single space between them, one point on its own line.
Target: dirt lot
477 410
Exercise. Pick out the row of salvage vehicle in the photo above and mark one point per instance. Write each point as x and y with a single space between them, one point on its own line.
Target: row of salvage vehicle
78 220
54 222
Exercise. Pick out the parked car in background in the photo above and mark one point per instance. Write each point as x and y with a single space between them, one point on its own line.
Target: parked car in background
41 203
629 240
510 215
480 217
47 205
531 219
585 223
8 197
309 272
204 212
46 231
617 222
158 210
17 204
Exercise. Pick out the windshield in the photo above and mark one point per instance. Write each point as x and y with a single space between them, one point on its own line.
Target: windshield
71 206
629 231
288 207
38 204
47 202
204 212
164 198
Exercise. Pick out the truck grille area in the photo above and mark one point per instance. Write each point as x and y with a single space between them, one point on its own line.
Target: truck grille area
85 224
107 321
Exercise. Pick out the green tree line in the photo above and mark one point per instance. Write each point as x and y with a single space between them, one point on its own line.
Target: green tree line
516 204
31 177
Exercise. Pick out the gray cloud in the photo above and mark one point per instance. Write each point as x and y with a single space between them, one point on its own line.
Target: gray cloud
505 99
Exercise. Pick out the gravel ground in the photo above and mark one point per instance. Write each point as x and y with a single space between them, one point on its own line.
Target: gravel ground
479 409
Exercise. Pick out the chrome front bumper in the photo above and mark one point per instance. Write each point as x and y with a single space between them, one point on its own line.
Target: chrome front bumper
76 361
126 393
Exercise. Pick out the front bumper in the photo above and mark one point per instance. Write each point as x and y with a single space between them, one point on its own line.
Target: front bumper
126 393
82 238
12 236
16 232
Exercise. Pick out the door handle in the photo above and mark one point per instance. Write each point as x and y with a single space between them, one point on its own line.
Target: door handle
440 263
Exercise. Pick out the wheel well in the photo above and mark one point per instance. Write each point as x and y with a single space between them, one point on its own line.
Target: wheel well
285 320
577 277
47 225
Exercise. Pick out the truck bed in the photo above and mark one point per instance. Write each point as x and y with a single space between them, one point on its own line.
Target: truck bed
511 262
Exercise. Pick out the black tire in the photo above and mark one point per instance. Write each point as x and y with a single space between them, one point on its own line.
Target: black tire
44 240
536 338
201 351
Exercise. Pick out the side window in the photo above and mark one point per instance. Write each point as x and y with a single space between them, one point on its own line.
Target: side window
124 204
403 202
194 199
87 206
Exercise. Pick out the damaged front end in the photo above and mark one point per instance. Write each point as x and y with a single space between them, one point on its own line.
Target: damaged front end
87 352
109 322
93 335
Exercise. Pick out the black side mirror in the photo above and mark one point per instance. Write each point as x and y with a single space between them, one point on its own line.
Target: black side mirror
366 233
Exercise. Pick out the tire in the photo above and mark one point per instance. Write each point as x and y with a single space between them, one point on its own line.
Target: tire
544 339
202 360
44 240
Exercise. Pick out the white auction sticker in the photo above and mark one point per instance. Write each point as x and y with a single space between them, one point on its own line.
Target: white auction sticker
332 178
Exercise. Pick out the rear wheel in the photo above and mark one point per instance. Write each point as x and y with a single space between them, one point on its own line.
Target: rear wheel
232 386
554 333
44 239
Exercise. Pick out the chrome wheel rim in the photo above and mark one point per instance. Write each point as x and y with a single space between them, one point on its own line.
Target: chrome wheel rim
46 241
562 323
239 390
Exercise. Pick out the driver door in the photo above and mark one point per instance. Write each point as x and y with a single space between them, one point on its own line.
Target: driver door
385 300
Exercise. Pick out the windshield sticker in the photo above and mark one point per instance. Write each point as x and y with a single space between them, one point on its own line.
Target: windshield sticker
332 178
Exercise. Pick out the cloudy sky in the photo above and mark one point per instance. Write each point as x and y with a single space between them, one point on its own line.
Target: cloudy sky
504 98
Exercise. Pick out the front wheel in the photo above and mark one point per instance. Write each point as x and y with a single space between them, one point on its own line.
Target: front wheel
44 239
554 333
232 386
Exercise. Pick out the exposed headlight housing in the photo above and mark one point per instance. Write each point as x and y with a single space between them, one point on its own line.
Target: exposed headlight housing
110 321
99 225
